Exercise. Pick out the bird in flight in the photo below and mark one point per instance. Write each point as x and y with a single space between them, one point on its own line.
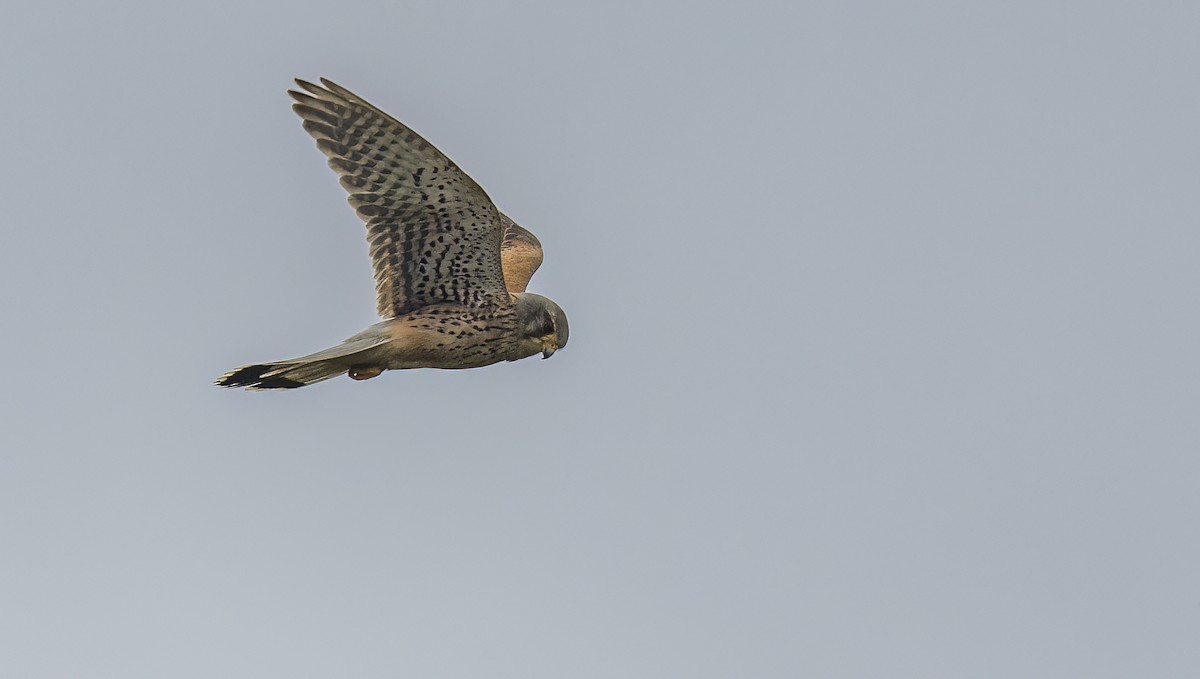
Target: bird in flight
450 268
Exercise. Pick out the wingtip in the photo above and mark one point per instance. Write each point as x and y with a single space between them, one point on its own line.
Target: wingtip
327 90
341 91
310 87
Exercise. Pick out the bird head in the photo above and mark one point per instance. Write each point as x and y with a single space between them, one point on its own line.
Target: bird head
542 323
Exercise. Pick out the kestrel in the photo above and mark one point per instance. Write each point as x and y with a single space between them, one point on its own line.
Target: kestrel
450 268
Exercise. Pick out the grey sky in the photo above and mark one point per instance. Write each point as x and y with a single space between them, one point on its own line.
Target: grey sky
883 359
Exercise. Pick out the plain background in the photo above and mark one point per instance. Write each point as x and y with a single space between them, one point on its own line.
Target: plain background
883 358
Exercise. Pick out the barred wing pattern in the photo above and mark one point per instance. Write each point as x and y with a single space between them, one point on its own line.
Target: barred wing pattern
434 234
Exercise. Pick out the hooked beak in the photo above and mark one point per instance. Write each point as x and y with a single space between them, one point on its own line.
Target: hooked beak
548 351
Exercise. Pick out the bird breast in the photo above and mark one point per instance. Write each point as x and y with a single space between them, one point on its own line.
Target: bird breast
453 337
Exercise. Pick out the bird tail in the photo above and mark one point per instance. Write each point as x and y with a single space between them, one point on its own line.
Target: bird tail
280 374
306 370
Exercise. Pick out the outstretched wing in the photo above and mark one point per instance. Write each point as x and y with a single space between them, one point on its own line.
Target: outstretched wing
520 254
434 234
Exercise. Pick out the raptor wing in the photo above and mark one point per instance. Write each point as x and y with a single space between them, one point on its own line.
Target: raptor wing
434 234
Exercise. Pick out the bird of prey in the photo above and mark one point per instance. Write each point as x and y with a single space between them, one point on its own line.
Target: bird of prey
450 268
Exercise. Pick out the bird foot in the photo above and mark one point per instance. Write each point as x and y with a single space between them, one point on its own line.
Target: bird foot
364 372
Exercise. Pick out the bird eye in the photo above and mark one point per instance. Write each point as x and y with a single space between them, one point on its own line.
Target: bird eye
548 327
